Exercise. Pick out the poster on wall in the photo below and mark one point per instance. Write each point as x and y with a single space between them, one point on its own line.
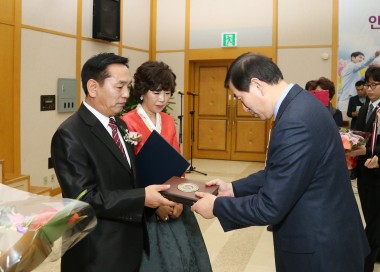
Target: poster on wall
359 39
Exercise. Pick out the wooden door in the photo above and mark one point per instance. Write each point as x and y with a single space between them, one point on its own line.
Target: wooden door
249 135
9 86
222 130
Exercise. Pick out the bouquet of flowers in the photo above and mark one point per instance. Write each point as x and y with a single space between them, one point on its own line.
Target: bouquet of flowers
34 228
352 140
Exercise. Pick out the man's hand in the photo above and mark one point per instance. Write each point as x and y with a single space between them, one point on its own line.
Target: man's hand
225 189
372 162
153 198
205 205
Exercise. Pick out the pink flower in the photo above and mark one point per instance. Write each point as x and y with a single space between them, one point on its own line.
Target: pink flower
42 218
346 144
132 137
17 219
355 140
133 134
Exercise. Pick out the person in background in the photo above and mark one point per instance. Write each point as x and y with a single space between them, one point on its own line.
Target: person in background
176 242
367 178
310 85
304 190
351 74
356 102
86 157
326 84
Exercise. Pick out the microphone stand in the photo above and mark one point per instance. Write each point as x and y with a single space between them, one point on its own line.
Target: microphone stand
180 117
192 168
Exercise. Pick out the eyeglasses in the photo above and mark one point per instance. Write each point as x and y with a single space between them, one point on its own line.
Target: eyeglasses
372 85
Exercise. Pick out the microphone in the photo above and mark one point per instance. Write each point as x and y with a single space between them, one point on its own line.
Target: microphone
180 92
191 93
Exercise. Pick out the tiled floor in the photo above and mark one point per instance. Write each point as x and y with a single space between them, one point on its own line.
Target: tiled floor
245 250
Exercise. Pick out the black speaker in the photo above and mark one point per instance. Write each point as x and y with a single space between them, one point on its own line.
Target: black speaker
106 20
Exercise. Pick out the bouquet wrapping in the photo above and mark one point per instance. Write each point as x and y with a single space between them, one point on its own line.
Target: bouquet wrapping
35 228
352 139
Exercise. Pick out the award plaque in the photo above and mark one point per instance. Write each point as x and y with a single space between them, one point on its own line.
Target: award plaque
182 190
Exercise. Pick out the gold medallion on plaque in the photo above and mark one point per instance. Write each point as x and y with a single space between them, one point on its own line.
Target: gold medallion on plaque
188 187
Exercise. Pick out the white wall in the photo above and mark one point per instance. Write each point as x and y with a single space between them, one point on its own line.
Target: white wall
304 29
136 24
58 15
303 64
252 20
304 34
304 22
44 59
171 25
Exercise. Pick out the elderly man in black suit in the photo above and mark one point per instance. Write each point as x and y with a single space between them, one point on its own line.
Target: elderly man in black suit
356 102
89 152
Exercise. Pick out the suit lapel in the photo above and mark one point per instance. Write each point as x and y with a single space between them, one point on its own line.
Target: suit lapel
294 91
371 118
102 134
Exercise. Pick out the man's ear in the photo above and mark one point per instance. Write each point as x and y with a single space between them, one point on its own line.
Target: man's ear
92 87
256 85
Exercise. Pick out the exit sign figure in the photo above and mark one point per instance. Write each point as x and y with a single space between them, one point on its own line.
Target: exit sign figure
229 39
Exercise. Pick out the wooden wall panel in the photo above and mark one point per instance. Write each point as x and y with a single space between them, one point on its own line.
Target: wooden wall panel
7 88
7 11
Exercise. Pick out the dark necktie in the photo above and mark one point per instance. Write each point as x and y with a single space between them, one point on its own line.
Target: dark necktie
369 112
115 135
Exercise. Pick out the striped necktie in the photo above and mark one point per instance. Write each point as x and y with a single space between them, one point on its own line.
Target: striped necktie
115 135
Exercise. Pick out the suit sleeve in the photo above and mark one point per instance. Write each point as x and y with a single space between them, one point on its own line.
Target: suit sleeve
285 179
351 107
338 117
76 172
249 185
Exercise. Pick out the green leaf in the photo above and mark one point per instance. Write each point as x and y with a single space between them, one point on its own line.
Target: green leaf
59 224
54 230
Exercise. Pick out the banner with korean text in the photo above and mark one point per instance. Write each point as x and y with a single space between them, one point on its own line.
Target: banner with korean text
359 39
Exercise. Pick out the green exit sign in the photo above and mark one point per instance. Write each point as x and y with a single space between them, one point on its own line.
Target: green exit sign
229 39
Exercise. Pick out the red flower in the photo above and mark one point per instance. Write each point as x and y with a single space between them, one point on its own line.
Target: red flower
42 218
74 218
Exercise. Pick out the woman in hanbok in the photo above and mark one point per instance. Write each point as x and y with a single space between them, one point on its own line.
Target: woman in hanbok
175 240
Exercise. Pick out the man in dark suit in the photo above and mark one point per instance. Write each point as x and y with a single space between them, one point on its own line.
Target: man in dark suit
86 157
368 179
356 102
304 191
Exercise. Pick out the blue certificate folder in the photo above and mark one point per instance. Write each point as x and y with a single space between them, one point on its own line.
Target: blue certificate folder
158 161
